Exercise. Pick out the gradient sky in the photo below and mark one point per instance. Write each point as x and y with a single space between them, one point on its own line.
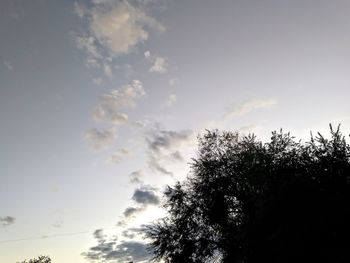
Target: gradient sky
101 102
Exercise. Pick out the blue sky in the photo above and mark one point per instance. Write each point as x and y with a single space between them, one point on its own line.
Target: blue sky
101 102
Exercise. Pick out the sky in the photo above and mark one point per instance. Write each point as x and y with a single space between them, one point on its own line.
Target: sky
101 103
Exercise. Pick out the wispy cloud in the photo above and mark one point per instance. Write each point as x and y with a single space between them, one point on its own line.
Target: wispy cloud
79 9
109 106
247 107
132 211
135 177
89 45
165 145
171 100
8 65
57 223
172 82
100 139
158 64
7 220
118 156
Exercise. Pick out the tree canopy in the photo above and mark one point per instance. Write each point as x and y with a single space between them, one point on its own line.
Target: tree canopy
40 259
249 201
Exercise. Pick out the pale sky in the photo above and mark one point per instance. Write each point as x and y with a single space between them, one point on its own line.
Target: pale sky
101 102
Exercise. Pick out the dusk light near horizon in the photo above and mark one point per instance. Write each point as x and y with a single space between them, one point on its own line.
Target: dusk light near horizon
101 103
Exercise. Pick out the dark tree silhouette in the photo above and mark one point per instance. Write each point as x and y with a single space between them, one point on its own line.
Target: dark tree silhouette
248 201
40 259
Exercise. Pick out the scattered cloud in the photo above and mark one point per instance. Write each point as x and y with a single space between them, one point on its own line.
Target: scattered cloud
110 251
158 64
118 156
98 234
113 28
161 140
135 177
164 145
119 26
171 100
245 108
177 156
7 220
133 232
100 139
8 65
146 196
109 106
132 211
155 164
88 44
147 54
58 223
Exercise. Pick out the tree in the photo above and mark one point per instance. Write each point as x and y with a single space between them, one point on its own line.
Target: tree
248 201
40 259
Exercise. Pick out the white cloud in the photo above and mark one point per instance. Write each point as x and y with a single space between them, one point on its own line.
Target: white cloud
245 108
100 139
119 26
8 65
110 105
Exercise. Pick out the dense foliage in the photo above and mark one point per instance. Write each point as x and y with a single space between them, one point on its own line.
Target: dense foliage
248 201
